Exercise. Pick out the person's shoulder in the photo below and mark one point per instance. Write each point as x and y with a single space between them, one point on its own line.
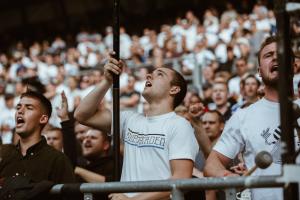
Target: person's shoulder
178 120
6 149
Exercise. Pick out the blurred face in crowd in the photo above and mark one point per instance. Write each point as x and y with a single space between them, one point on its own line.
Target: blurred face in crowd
268 68
220 94
241 67
94 144
251 87
212 125
80 131
54 139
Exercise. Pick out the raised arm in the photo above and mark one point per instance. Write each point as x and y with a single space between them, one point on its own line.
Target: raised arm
87 112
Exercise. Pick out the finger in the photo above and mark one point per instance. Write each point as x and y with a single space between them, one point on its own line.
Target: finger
63 96
114 61
113 68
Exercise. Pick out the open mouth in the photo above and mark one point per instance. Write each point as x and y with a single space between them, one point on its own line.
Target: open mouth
20 121
274 68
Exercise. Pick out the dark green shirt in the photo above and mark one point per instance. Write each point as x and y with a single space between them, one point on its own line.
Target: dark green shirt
41 162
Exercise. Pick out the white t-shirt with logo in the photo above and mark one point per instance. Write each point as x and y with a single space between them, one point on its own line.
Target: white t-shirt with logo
251 130
151 142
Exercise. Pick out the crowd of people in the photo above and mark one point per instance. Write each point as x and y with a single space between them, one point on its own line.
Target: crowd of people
170 128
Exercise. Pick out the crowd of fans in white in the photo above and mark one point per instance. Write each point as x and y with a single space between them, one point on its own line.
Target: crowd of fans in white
214 43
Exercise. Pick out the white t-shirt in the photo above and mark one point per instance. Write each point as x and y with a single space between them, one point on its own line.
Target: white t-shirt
151 142
251 130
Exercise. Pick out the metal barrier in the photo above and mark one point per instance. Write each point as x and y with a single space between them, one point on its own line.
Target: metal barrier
291 174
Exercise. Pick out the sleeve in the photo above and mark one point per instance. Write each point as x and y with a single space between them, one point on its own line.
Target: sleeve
231 141
62 170
124 117
69 141
182 144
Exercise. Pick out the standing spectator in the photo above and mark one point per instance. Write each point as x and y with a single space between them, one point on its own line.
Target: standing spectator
54 138
254 129
164 90
220 99
234 82
7 119
129 97
32 152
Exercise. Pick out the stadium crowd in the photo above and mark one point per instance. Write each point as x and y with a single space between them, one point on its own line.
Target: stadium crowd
223 46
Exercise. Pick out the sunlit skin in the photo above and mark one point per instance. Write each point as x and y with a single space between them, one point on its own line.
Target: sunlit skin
158 90
268 68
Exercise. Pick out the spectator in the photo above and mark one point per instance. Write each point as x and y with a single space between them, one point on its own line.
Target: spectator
234 82
96 150
254 128
164 90
32 152
129 97
54 138
220 99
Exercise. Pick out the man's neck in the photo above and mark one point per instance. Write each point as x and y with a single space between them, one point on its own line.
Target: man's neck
26 143
159 108
271 94
222 108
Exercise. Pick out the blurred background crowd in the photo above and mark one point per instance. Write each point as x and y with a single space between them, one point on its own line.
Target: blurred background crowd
215 52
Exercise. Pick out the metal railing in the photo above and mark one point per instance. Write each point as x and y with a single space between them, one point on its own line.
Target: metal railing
291 174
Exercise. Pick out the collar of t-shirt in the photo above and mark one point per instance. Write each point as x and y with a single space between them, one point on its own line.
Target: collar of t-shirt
160 117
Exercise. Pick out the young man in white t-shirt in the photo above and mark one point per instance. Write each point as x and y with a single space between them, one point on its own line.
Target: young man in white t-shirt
254 129
160 145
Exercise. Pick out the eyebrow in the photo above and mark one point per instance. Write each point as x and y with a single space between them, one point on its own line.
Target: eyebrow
159 70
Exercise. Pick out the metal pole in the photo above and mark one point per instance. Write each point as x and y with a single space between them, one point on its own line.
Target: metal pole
116 92
285 91
177 194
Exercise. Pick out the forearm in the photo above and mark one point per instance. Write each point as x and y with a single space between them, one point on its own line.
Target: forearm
214 167
88 105
152 196
89 176
202 139
69 141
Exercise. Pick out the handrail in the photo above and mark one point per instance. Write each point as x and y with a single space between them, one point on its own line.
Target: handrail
168 185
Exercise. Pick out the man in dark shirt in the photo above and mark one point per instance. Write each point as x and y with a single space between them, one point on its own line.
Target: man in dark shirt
32 157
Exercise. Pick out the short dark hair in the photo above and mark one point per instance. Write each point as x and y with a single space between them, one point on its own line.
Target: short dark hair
220 116
179 81
45 103
243 81
267 41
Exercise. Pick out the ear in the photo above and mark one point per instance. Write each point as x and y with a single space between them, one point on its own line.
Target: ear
106 145
174 90
44 119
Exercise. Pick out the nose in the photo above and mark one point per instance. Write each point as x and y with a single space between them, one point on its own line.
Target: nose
149 76
20 110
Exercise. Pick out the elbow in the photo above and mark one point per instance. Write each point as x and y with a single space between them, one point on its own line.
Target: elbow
79 116
206 171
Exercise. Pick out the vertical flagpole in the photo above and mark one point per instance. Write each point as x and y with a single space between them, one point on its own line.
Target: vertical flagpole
285 91
116 92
